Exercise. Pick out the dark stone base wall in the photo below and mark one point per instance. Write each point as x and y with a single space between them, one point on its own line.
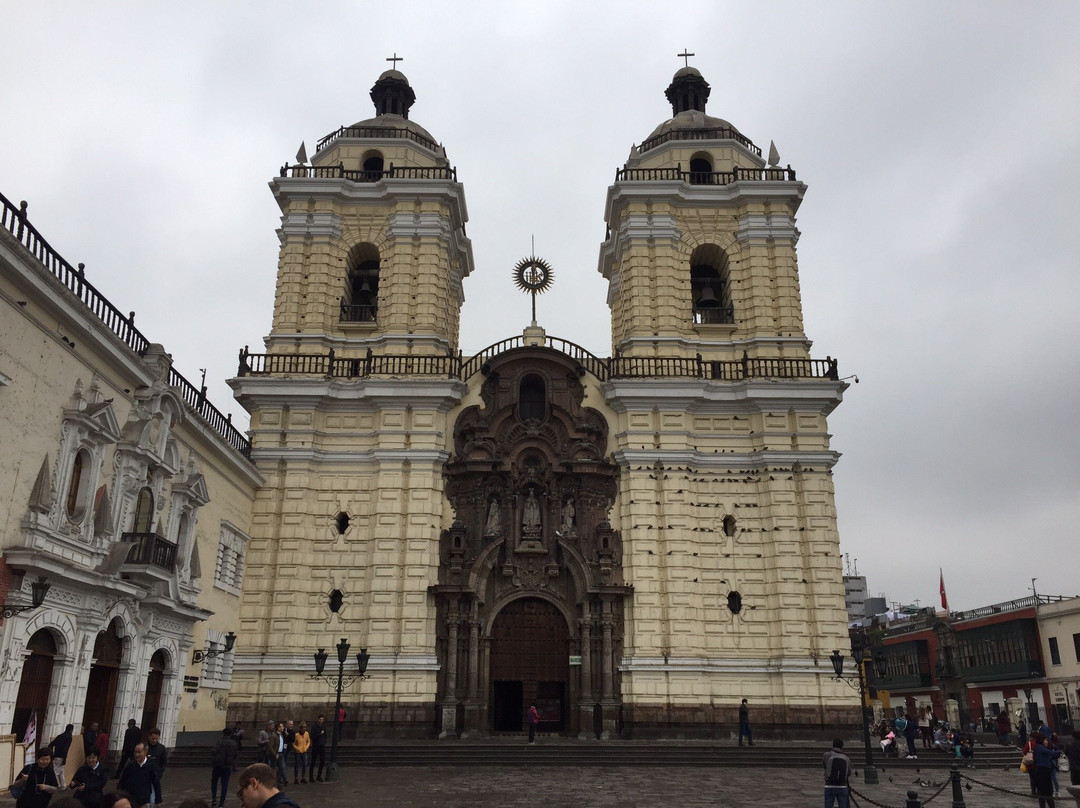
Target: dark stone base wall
373 722
362 722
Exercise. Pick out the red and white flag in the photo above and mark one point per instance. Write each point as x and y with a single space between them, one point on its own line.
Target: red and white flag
30 739
941 588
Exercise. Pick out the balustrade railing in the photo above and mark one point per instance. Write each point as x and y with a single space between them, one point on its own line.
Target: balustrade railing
357 313
152 550
379 132
459 367
677 174
713 133
14 220
339 171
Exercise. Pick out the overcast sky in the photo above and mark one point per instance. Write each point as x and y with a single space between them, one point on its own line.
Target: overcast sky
938 255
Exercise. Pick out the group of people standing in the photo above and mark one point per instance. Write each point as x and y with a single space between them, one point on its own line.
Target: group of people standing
142 764
1040 758
305 747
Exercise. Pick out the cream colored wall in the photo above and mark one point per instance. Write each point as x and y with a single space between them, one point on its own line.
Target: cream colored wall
1062 620
43 370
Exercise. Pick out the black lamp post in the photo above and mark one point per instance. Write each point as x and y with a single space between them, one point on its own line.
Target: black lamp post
858 654
38 590
342 681
199 656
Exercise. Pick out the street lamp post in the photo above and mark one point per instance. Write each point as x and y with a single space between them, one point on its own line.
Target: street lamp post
343 681
858 654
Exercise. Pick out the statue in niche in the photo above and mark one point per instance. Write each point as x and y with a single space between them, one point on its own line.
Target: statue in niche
493 527
568 516
530 521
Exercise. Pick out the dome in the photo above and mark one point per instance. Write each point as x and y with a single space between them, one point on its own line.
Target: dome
393 74
389 121
688 93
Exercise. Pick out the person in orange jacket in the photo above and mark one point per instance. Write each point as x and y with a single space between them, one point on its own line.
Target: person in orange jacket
301 743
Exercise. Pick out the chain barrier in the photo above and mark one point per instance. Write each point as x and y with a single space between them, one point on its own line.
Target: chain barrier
999 788
855 793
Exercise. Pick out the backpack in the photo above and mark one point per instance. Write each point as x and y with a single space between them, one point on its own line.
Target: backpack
901 724
836 774
220 757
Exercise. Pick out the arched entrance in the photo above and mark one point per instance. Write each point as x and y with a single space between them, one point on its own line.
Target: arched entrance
154 683
104 675
33 698
530 653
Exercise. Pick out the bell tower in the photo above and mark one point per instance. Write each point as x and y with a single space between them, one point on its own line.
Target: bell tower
700 253
373 245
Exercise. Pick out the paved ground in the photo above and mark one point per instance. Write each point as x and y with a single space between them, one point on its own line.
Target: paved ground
599 787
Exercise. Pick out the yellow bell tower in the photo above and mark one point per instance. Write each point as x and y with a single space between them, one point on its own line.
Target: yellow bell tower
373 244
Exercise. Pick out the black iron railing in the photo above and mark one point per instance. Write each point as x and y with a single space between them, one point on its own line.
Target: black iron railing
14 220
152 550
379 132
722 315
459 367
737 174
339 172
715 133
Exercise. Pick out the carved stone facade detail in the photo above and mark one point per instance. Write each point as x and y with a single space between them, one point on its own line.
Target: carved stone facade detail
531 488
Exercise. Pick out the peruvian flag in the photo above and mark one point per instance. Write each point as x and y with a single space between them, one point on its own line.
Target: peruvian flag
30 739
941 588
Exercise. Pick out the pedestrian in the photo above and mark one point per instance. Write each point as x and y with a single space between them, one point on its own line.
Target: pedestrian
277 753
222 761
533 717
60 746
89 738
259 789
1072 754
318 748
1004 727
38 780
238 736
744 724
1045 759
925 716
102 743
300 745
139 779
159 755
910 730
837 771
1027 759
290 754
262 743
339 728
132 736
88 782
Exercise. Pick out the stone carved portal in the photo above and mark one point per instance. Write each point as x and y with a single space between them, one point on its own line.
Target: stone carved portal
530 597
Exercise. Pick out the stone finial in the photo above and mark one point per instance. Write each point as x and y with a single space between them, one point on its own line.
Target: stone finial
43 494
774 155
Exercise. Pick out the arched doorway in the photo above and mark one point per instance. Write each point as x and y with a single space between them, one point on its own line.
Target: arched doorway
530 664
104 675
154 683
33 698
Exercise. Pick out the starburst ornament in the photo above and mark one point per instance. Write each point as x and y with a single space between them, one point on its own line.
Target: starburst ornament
533 275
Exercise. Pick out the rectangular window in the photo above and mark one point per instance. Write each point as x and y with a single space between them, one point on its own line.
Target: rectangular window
1055 655
1076 646
229 569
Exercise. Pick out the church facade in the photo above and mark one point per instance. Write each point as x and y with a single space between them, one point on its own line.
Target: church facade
632 543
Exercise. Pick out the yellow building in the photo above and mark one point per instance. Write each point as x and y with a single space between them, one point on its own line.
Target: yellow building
633 543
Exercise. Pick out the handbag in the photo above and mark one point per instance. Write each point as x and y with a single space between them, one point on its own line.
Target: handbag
16 790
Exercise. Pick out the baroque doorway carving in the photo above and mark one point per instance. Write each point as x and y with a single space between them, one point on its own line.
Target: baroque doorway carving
530 550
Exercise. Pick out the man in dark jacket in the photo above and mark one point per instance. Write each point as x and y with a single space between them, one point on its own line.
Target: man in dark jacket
159 755
139 778
89 781
318 748
60 746
222 761
132 736
258 788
